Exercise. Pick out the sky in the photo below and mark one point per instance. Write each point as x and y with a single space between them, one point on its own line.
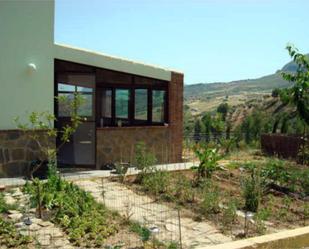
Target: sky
208 40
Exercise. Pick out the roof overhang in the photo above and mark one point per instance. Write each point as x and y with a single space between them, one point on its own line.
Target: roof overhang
87 57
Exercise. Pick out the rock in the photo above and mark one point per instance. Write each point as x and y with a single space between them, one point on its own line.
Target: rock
17 193
43 239
45 223
2 188
34 227
16 216
20 225
13 212
9 200
54 232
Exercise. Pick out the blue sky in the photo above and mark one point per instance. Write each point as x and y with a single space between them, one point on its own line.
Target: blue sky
209 40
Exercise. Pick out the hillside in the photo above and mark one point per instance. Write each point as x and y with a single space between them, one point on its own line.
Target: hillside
205 97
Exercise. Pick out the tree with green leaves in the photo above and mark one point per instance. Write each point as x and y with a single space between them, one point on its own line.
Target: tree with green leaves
298 94
39 129
223 108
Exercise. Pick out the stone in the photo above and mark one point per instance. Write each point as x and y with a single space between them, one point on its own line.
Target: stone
13 212
44 239
34 227
16 216
9 200
45 223
54 232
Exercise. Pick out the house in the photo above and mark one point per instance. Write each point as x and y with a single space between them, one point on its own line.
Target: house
126 101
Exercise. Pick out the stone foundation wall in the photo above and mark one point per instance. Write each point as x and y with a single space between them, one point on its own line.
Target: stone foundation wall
117 144
16 153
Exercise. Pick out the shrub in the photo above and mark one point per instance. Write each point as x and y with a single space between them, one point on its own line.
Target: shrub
229 214
252 187
208 161
304 182
276 171
210 199
156 183
183 190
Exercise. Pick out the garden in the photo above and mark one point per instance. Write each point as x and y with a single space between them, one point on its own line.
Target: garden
243 194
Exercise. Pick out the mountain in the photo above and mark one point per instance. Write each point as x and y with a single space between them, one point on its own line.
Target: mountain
204 97
264 84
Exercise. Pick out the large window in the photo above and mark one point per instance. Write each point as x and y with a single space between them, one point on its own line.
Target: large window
158 106
141 105
122 97
72 86
132 106
66 95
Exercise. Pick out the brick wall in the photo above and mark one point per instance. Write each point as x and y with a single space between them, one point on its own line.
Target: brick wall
176 116
118 143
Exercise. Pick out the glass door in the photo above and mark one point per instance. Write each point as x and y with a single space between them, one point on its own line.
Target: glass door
80 150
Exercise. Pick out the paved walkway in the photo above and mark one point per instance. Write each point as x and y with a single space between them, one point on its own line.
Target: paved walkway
88 174
151 214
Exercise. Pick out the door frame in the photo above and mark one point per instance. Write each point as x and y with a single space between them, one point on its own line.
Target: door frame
56 122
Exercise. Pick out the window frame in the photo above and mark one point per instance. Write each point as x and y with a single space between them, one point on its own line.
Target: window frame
131 115
76 85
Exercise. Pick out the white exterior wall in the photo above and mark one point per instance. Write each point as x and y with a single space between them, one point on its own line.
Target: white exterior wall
26 36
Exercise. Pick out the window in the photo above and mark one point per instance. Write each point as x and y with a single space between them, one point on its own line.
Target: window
106 107
131 106
66 95
141 105
122 106
158 106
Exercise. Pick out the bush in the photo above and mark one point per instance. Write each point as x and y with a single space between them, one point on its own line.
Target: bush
208 161
156 183
184 191
143 158
210 201
229 214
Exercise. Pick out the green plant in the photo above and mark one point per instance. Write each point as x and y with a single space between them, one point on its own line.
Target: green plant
276 172
229 215
253 187
143 232
156 182
283 213
183 190
10 237
40 131
81 217
122 169
208 161
210 199
259 219
144 160
304 182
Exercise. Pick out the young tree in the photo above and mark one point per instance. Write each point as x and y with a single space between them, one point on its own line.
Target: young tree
298 94
39 129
